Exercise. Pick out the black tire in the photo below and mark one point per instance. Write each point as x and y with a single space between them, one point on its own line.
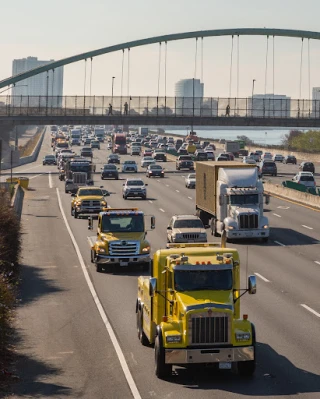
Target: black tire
265 239
125 197
72 213
162 176
141 335
247 369
162 370
92 256
98 267
75 214
145 266
144 198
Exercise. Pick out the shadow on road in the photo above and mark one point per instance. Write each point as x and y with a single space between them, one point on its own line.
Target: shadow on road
275 375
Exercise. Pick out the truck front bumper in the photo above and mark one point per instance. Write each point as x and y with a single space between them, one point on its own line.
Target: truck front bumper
257 233
123 260
89 210
209 355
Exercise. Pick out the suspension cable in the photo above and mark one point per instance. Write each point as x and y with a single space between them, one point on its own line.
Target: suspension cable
301 61
195 59
159 68
202 60
85 77
231 62
122 73
128 83
165 70
238 65
273 62
266 68
52 83
309 73
91 75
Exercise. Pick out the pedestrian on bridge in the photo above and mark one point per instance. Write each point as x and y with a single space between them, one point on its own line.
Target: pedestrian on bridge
125 108
228 110
110 109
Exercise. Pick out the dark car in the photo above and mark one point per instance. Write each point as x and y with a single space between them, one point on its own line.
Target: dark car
183 151
109 171
178 143
290 159
155 171
200 156
223 157
49 160
86 152
159 155
114 158
307 167
184 162
267 167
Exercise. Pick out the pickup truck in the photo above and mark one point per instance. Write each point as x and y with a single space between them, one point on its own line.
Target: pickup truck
184 162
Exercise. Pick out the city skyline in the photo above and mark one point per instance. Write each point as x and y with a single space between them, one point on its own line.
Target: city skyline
144 62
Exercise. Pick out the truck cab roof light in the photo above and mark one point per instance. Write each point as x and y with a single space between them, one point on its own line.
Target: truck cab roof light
197 263
220 257
245 317
164 319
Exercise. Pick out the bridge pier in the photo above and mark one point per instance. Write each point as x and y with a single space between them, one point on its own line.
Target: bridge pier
9 155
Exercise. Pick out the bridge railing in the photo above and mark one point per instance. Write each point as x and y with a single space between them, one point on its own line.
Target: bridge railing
207 107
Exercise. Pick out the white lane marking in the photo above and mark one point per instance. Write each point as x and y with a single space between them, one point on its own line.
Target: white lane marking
317 262
310 310
161 210
65 353
158 180
275 214
307 227
50 180
151 202
279 243
33 177
262 278
167 185
177 191
122 360
32 167
283 207
190 198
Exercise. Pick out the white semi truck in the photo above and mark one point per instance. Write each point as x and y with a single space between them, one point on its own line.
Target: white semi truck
229 197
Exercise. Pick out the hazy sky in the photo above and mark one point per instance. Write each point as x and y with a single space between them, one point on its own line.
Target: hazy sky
60 28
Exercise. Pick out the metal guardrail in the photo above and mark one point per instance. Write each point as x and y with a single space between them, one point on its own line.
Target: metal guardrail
159 106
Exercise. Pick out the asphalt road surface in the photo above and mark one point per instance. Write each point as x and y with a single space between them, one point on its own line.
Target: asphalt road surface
65 349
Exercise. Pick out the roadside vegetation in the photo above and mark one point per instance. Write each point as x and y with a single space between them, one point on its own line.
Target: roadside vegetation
9 278
28 148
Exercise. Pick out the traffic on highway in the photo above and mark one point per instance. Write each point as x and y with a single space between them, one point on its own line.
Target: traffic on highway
195 283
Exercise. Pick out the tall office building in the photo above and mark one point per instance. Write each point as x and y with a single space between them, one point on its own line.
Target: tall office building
316 102
189 88
44 84
269 105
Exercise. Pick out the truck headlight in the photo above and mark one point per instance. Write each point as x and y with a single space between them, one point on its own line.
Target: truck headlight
229 227
266 226
101 250
146 249
103 203
173 338
243 336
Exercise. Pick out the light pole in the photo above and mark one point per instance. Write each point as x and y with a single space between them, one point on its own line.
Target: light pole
253 80
113 78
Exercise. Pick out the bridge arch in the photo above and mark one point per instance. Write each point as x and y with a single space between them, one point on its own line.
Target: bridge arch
164 38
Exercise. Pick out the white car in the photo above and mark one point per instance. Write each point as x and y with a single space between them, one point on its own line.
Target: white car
249 160
267 155
305 178
130 166
146 161
278 158
134 188
109 146
190 180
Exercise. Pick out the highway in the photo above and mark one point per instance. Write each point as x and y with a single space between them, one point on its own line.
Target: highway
66 345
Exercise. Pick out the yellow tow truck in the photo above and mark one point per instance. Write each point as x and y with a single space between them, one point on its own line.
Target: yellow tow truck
190 309
120 240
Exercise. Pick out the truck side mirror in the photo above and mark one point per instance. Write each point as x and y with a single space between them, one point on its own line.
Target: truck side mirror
153 222
252 285
267 199
73 195
90 223
220 200
169 228
152 286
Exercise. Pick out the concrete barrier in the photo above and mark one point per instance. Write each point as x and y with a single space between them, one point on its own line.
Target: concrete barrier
17 200
292 195
33 157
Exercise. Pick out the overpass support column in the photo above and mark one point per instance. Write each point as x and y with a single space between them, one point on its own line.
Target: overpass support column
5 149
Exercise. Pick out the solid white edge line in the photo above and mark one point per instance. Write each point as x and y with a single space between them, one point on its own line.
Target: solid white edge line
317 262
262 278
279 243
307 227
33 177
310 310
161 210
50 180
123 363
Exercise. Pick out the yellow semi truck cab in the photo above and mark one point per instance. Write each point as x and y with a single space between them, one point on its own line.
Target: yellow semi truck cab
190 309
121 239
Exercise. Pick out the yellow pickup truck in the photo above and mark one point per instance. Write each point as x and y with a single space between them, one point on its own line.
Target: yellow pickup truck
190 309
88 200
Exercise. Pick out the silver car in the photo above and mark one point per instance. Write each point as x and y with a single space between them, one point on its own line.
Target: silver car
190 180
134 188
186 228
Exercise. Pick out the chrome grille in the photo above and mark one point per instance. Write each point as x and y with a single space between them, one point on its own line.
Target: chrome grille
209 329
248 221
124 248
91 203
190 236
79 177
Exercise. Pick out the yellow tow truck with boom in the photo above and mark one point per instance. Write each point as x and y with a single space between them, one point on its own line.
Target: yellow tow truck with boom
190 309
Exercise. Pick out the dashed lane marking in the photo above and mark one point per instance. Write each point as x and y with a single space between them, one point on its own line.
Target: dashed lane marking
112 335
167 185
262 278
283 207
275 214
317 262
177 191
151 202
162 210
307 227
279 243
190 198
310 309
50 180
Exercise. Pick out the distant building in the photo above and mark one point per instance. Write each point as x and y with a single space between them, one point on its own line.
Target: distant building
44 84
189 88
269 105
316 102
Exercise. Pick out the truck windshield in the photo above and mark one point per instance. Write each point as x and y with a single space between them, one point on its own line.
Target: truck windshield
188 223
119 223
80 168
202 280
244 199
90 191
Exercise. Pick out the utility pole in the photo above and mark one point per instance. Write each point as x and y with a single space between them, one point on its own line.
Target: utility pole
253 81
